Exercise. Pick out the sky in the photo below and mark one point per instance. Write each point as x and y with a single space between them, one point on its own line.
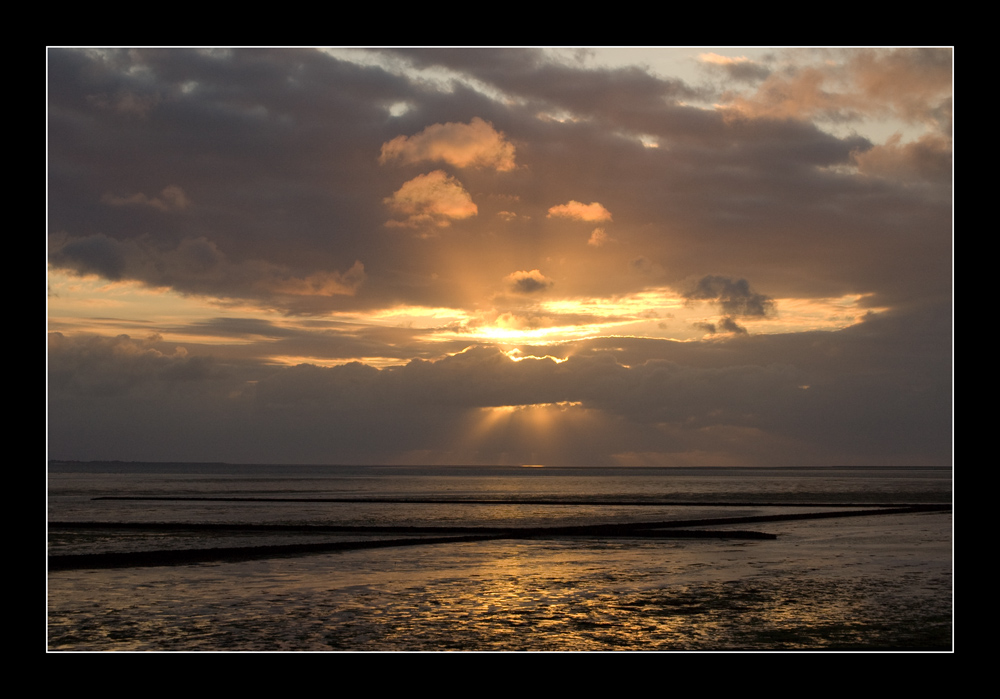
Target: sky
563 257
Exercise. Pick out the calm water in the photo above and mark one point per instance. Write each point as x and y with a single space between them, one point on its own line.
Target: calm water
881 582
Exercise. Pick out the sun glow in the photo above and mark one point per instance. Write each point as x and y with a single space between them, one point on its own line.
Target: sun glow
517 355
534 421
538 336
90 305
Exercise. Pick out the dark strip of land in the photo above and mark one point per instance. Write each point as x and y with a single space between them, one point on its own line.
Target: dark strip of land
611 529
249 553
510 501
669 529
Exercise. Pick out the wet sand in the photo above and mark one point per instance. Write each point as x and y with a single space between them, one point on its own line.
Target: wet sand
858 583
444 535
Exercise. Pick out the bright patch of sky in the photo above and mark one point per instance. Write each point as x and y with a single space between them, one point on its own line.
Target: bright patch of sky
437 77
690 64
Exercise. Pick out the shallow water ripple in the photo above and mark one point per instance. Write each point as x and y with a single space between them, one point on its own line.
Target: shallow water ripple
572 606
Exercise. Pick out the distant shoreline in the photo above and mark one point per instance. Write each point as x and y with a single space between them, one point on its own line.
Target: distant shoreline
115 463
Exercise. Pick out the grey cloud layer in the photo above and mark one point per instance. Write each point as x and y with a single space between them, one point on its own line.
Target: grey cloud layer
667 402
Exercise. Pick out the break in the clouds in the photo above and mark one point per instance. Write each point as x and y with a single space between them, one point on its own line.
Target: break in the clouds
739 68
409 256
476 144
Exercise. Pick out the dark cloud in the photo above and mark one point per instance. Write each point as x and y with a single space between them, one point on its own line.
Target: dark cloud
109 366
747 72
198 266
729 325
855 396
733 296
624 93
95 254
528 282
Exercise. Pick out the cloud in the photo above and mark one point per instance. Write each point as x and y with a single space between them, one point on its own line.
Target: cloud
110 366
196 265
662 402
126 102
598 238
476 144
172 198
913 84
725 325
95 254
508 320
321 283
528 282
578 211
435 199
628 97
729 325
736 67
929 157
733 296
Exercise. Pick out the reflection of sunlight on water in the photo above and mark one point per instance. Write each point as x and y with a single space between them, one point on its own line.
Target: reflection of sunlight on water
812 591
873 582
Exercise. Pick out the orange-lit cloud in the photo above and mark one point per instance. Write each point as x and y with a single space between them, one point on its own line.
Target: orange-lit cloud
911 84
476 144
598 238
580 212
721 60
928 157
737 67
170 199
322 283
435 199
916 83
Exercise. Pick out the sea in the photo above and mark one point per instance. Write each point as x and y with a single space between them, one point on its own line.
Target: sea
276 558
